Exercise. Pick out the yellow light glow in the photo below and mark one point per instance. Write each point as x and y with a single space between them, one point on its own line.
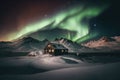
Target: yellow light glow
52 50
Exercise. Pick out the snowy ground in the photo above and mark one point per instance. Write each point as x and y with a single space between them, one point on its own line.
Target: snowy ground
46 67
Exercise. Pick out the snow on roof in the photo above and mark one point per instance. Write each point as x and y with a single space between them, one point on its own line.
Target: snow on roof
58 46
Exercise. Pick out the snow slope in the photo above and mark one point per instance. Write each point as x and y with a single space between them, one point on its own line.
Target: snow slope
75 72
47 67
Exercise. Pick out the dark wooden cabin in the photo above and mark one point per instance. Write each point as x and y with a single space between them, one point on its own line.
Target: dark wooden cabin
55 49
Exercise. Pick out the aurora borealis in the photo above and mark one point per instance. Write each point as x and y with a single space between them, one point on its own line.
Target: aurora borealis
71 20
23 18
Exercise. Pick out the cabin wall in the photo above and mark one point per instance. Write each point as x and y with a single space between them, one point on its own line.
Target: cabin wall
49 49
60 51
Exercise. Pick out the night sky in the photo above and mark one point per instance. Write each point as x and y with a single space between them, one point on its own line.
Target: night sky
15 15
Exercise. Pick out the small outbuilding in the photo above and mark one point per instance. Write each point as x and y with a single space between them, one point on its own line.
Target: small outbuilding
55 49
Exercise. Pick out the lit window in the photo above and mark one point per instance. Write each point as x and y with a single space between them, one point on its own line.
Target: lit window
49 45
49 50
52 50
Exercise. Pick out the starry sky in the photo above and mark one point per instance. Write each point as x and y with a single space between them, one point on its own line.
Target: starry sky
21 17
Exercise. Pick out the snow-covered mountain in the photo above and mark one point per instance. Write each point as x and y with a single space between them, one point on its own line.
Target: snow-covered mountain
5 46
25 44
72 46
28 44
104 44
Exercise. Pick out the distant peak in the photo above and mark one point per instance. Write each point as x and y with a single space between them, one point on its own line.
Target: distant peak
106 39
45 40
27 38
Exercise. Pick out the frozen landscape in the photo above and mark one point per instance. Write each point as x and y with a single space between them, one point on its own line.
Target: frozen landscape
94 60
46 67
59 40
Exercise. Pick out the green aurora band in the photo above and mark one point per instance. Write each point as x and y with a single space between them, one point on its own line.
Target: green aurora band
71 19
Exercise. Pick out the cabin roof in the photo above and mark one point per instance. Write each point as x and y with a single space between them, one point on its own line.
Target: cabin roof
58 46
